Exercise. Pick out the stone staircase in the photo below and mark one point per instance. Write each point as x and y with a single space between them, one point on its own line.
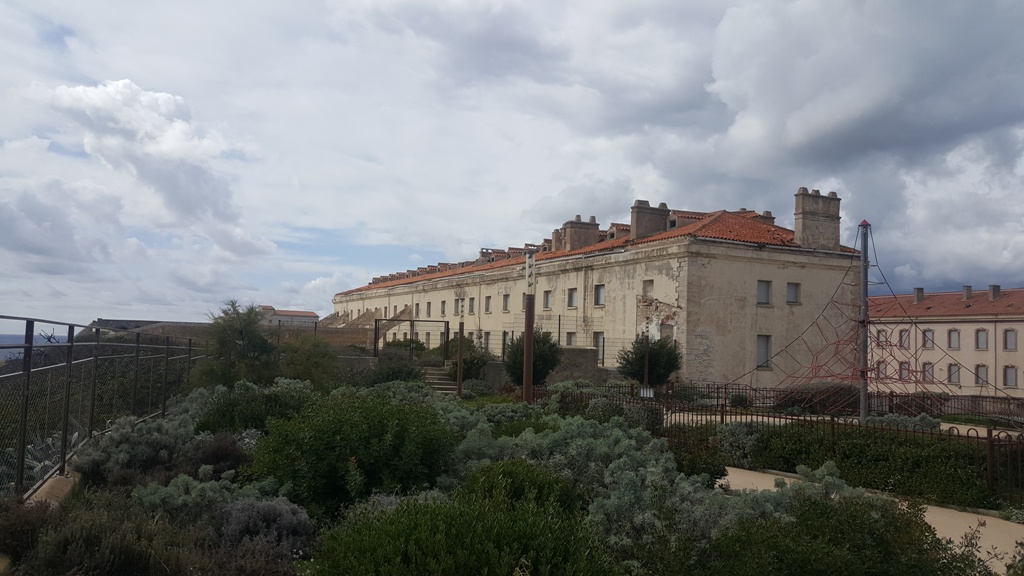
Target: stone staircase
437 378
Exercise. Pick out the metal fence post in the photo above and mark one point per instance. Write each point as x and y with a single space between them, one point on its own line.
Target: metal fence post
167 367
95 378
67 400
135 379
188 367
990 458
19 474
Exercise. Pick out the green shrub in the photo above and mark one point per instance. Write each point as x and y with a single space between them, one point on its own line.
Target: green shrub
221 452
655 359
20 525
820 534
739 400
479 387
474 360
696 452
346 447
276 523
934 468
519 480
469 535
821 398
247 406
104 533
603 409
185 497
99 532
305 357
737 443
546 356
130 451
393 371
920 422
647 417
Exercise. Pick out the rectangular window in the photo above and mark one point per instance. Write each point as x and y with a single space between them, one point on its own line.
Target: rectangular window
792 293
598 294
904 370
928 372
904 339
954 339
981 339
504 302
426 342
1010 376
394 336
929 339
415 335
1009 339
599 344
547 299
980 375
396 311
570 338
416 309
487 304
524 301
764 292
487 341
881 338
880 370
405 336
764 351
428 309
954 374
570 298
472 305
443 303
648 289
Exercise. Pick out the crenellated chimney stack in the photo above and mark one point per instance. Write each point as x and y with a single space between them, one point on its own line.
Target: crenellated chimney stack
817 220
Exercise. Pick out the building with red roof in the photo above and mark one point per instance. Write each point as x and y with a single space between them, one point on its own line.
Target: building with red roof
731 287
288 318
962 342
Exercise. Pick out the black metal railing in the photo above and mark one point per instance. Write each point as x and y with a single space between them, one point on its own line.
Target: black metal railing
58 389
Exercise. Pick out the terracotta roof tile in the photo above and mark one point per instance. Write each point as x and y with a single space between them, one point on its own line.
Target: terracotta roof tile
947 304
721 225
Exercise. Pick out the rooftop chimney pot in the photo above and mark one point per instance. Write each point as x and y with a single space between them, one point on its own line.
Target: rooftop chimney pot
967 292
993 291
918 295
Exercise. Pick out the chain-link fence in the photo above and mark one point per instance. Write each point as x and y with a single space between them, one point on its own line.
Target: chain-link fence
58 390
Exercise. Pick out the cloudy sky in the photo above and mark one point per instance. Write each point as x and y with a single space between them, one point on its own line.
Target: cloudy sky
159 158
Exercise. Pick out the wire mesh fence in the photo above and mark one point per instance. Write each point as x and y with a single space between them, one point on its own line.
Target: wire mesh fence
56 392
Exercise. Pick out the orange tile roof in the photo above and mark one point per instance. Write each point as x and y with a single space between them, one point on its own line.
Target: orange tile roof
721 225
947 304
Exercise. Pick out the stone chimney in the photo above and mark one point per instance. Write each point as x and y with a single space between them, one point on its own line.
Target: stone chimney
967 292
918 295
993 291
556 239
766 217
646 221
817 220
578 234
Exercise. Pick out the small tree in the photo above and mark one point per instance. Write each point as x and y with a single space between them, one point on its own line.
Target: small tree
241 349
658 358
546 356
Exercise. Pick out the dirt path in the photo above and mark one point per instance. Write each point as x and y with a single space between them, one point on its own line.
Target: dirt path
997 534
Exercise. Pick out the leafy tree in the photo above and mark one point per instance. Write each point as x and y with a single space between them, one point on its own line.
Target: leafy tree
546 356
241 349
658 358
306 357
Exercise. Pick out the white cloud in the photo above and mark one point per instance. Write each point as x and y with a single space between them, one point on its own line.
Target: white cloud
200 151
